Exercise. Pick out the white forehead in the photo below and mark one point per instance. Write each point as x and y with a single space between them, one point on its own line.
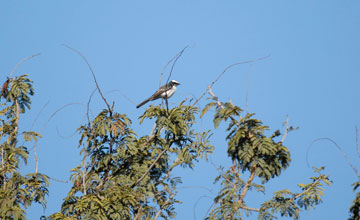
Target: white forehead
174 81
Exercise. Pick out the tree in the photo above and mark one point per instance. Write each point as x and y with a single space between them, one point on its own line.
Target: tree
251 151
125 177
17 192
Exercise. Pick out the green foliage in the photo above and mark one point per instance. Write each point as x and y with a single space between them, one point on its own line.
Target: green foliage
355 206
17 191
252 152
247 143
125 177
289 204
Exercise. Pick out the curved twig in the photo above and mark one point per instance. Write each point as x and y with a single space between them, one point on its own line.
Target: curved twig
172 67
21 62
38 115
197 201
226 69
61 108
63 136
166 65
92 72
123 95
339 148
88 106
357 140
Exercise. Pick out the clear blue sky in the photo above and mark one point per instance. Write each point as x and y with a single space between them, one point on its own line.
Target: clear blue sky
312 75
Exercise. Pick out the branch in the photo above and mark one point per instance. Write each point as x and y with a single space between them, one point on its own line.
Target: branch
92 72
172 67
339 148
226 69
84 173
164 68
36 158
247 91
357 140
64 106
286 130
21 62
221 173
248 184
150 167
161 207
88 106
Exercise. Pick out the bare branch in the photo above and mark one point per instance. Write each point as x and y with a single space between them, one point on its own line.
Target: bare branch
123 95
357 140
21 62
92 72
197 201
286 130
38 115
339 148
247 90
36 158
172 67
57 180
63 136
166 65
84 172
226 69
88 106
248 184
61 108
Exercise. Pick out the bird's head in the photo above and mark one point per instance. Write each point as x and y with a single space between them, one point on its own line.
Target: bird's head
174 83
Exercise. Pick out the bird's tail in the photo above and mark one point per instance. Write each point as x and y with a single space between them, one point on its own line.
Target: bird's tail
143 103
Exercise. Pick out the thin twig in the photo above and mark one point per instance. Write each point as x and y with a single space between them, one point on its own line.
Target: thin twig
64 106
172 67
164 68
226 69
88 106
123 95
247 90
21 62
197 201
357 140
57 180
150 167
162 207
221 173
63 136
36 158
92 72
339 148
84 172
38 115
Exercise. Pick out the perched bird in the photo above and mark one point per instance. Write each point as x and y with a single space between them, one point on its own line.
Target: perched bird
165 92
4 90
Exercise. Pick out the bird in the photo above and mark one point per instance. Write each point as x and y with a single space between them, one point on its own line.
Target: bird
4 90
165 92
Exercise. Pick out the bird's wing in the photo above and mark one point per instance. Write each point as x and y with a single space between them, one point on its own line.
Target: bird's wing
160 91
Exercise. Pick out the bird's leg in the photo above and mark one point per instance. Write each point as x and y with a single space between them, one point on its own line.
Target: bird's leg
167 104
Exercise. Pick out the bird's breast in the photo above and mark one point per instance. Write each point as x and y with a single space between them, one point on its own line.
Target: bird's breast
169 93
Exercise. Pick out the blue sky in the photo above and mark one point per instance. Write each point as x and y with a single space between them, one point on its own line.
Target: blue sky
312 75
